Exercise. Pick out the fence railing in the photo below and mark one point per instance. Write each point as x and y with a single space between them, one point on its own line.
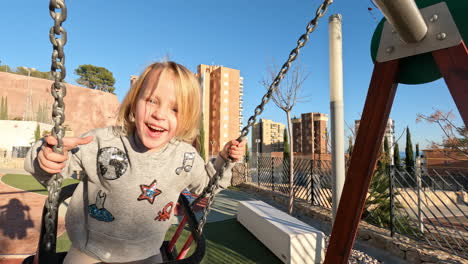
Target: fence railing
429 206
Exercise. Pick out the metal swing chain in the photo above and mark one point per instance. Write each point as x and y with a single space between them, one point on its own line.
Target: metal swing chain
209 191
58 38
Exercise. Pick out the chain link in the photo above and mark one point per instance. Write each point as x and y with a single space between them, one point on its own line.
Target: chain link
209 191
58 38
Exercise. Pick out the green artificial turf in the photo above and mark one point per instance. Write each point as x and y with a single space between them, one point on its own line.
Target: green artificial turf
63 243
226 242
29 183
230 242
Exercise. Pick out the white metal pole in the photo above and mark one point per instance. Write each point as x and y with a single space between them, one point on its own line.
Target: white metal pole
336 109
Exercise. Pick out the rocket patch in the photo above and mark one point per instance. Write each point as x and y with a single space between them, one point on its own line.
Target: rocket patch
165 213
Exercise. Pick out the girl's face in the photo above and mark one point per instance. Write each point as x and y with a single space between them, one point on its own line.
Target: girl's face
156 110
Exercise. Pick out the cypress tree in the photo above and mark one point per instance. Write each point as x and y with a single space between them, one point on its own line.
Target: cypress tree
350 145
2 107
385 154
202 139
286 153
247 153
6 108
39 113
396 157
37 133
409 159
417 150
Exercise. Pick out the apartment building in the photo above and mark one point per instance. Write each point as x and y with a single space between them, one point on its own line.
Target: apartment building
310 134
222 92
267 136
297 134
389 134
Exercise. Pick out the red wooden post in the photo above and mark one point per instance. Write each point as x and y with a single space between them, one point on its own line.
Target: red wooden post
453 65
377 108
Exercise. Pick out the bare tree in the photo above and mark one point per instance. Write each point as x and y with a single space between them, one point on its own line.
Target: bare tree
286 97
455 137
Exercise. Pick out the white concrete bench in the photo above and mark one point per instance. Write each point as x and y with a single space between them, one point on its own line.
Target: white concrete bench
290 239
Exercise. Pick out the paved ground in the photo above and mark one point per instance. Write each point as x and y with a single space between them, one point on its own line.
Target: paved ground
20 220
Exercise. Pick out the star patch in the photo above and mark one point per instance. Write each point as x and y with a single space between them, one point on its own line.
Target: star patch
149 192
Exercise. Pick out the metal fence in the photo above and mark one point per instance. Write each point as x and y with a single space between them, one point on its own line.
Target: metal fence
19 152
429 206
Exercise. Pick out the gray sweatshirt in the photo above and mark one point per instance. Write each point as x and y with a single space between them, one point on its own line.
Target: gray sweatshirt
120 211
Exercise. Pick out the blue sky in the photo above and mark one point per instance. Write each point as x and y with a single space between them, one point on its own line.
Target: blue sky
125 36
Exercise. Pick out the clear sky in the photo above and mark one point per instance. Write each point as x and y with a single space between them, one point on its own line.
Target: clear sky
125 36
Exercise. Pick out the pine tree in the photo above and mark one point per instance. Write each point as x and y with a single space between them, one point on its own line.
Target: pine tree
409 154
396 157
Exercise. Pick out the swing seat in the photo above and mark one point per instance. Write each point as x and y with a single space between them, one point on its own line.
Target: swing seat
168 250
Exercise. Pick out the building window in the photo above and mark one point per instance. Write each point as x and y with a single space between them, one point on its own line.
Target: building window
225 126
226 91
226 75
225 109
225 117
225 135
226 83
225 100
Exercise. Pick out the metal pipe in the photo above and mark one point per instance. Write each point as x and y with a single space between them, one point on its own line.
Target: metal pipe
336 109
405 18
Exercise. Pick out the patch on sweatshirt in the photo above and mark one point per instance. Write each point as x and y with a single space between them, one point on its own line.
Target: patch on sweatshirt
149 192
187 164
165 213
98 211
112 163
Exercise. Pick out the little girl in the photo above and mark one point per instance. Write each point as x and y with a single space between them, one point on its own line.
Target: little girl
120 211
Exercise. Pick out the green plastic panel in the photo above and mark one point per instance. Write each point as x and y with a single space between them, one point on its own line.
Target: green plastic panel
422 68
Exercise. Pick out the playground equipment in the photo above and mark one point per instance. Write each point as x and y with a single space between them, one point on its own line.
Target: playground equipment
428 41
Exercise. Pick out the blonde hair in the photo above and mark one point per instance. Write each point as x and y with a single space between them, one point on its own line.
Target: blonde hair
188 98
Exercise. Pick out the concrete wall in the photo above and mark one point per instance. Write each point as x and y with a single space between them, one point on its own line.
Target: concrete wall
85 109
19 133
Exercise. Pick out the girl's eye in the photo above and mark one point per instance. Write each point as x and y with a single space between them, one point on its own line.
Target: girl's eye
151 101
174 110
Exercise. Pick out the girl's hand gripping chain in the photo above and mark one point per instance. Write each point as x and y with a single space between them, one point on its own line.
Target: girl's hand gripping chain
52 162
234 150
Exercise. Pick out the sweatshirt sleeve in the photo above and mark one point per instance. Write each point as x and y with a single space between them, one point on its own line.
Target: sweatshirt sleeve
31 164
202 173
